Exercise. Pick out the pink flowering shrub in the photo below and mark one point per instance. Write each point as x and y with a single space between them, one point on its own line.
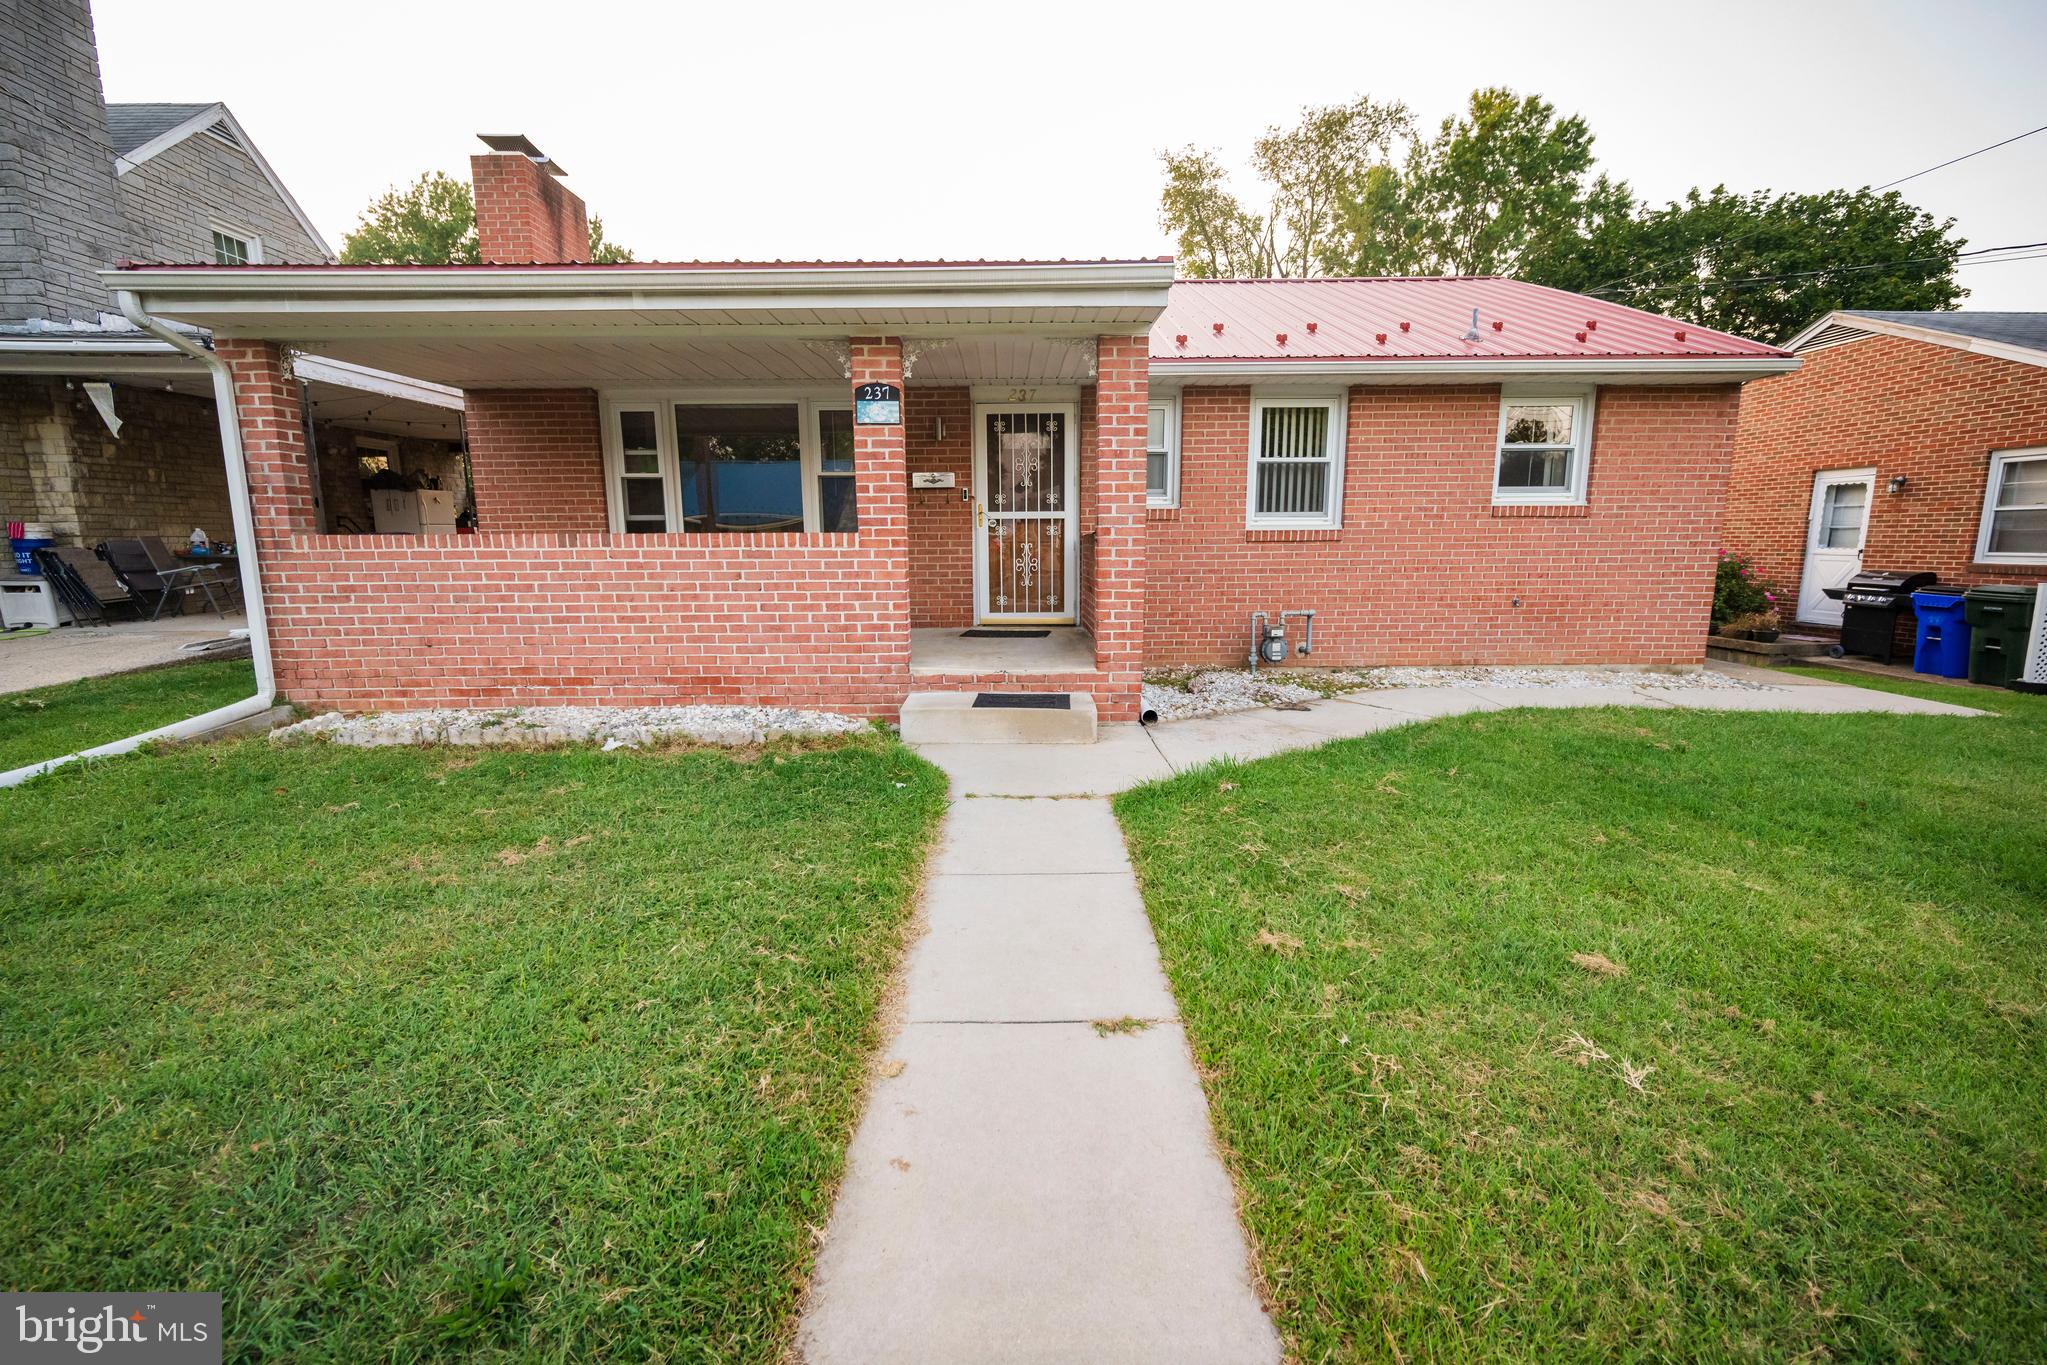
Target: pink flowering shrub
1739 591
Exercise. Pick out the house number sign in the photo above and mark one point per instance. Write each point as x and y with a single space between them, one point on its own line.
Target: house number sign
877 405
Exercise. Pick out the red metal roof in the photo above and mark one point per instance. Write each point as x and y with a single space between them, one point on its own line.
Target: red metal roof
654 265
1423 317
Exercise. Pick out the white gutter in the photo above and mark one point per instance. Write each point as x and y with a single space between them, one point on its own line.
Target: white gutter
245 548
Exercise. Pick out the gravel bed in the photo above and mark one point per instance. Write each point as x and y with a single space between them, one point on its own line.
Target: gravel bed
613 727
1217 692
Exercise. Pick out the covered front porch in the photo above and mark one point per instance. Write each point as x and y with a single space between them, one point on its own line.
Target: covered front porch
716 483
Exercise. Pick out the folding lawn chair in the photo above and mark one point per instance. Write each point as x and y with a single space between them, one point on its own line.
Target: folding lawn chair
85 584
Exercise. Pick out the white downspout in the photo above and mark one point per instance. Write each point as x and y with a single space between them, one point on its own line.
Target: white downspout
245 550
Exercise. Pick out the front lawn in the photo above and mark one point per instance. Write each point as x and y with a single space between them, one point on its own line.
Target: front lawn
423 1054
1628 1032
50 722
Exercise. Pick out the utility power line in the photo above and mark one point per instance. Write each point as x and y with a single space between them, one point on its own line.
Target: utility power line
1964 157
1960 259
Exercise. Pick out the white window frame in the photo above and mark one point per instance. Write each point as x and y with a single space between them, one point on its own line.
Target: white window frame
249 240
1998 460
663 402
1170 422
1583 402
1331 517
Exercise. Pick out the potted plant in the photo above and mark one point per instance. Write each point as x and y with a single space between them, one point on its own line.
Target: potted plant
1755 625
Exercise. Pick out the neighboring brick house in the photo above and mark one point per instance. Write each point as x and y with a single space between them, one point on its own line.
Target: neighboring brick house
1905 442
84 185
694 481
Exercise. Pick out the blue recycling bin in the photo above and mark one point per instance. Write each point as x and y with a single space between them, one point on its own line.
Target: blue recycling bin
1943 648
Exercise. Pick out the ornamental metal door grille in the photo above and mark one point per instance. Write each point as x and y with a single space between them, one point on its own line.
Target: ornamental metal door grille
1027 516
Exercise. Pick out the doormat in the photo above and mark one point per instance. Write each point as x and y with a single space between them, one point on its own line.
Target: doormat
1022 701
978 634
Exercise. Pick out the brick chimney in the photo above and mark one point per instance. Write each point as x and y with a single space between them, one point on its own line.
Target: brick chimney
523 212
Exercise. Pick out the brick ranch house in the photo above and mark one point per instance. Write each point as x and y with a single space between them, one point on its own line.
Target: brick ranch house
1904 442
684 492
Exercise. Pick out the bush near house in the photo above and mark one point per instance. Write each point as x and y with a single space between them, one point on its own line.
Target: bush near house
1620 1033
1739 591
448 1054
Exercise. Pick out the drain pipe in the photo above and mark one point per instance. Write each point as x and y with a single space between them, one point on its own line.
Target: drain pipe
245 551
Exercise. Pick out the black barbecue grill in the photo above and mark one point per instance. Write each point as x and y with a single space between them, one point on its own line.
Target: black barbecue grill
1870 606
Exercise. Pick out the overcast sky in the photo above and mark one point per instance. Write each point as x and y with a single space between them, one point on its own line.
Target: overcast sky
772 130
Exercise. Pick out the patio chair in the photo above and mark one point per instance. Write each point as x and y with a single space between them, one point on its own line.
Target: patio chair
205 577
154 587
87 587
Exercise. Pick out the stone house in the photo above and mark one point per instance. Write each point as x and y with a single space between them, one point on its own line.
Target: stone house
105 431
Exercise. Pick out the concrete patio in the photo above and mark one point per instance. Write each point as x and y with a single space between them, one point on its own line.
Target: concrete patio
70 653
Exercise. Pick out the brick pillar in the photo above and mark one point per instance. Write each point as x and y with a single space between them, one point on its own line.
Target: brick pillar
882 489
273 440
1122 394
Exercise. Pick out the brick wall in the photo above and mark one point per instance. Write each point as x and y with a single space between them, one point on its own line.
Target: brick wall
1930 413
524 214
568 616
941 520
172 200
59 463
537 460
1424 569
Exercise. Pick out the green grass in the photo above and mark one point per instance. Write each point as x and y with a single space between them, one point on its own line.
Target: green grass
448 1054
49 722
1831 929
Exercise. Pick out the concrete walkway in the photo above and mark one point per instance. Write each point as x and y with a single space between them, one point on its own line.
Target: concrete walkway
1024 1187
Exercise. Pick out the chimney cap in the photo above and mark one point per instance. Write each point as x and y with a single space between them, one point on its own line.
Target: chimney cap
523 145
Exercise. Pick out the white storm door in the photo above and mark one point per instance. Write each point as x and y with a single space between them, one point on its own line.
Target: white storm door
1834 533
1026 513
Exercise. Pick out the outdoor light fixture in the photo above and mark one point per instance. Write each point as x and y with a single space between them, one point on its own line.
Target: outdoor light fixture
1897 483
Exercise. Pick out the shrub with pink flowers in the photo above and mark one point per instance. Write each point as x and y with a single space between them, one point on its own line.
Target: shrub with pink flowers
1740 591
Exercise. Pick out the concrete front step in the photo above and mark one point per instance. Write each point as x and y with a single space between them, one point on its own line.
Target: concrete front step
952 718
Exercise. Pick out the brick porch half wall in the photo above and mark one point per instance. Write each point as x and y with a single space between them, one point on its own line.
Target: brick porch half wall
571 617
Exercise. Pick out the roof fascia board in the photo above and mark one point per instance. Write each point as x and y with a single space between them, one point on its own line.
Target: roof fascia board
199 123
162 282
2002 350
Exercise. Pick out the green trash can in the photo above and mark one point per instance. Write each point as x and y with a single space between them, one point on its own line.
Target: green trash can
2000 618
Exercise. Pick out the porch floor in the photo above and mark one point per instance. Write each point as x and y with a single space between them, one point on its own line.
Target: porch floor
1067 649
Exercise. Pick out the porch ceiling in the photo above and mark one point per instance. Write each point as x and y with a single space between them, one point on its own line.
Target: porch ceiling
364 397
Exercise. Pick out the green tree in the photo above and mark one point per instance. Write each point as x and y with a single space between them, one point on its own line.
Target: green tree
430 222
433 222
1506 183
1310 172
601 251
1764 265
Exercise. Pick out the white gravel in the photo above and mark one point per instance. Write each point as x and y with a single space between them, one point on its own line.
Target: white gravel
614 727
1218 692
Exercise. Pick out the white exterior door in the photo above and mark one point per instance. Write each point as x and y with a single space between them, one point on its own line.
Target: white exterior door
1834 533
1026 513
